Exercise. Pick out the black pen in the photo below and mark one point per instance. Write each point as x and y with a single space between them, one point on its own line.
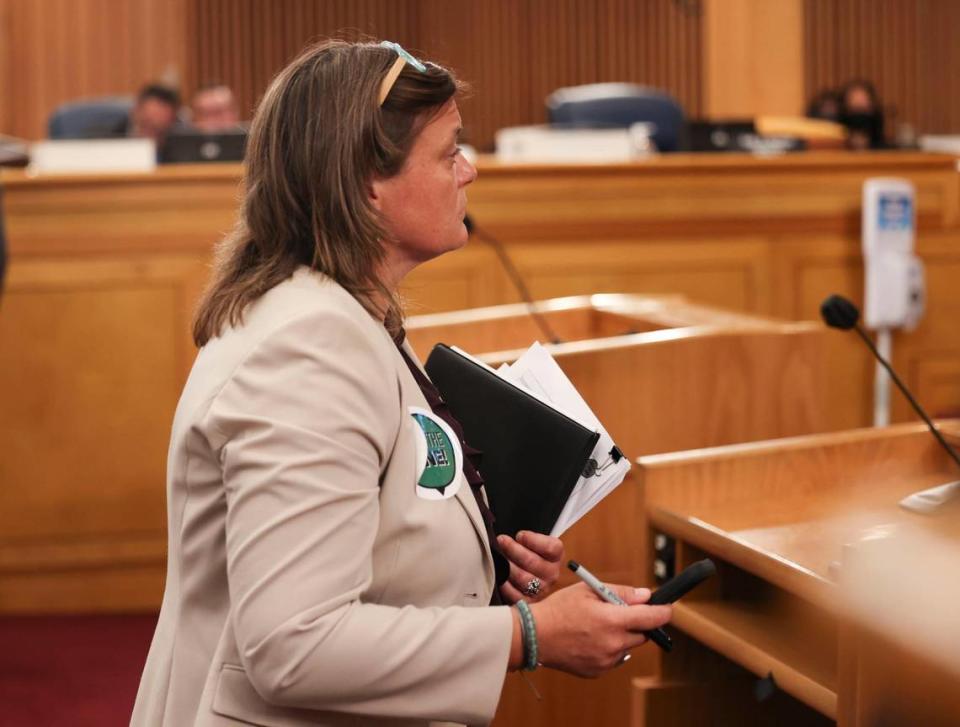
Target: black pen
658 636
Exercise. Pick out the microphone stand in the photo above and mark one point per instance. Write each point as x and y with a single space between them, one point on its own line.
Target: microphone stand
927 501
517 281
913 402
838 312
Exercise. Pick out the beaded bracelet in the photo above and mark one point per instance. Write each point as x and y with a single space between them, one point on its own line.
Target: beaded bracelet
528 630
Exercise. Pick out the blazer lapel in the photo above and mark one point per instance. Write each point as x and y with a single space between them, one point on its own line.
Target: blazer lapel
464 495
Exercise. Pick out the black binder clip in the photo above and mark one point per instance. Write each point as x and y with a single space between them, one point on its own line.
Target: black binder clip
594 468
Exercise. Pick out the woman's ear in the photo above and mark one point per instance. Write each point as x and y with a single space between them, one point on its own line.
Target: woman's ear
375 193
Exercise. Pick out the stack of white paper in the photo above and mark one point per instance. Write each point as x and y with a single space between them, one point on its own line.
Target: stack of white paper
538 373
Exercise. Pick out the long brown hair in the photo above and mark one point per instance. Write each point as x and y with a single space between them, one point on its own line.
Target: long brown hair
317 140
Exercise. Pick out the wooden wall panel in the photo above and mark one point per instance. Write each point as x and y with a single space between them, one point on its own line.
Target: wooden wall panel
512 53
5 68
245 42
752 58
86 520
906 47
52 51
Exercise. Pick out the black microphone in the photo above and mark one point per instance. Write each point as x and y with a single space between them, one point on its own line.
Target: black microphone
838 312
515 278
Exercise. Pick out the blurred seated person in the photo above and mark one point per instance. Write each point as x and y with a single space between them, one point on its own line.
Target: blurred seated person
862 113
153 115
215 109
825 106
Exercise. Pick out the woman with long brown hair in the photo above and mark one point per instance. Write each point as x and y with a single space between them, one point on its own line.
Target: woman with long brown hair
318 573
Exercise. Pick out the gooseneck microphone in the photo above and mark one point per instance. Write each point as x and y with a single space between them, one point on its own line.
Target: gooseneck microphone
838 312
515 278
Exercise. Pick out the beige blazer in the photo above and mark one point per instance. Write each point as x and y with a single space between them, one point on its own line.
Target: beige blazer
308 583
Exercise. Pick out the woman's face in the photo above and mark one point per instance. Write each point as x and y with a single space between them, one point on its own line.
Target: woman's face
858 101
423 206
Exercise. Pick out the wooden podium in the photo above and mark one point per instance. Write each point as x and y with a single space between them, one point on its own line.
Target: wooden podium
663 374
823 582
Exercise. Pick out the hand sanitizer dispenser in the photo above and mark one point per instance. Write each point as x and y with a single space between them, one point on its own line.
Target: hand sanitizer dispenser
893 275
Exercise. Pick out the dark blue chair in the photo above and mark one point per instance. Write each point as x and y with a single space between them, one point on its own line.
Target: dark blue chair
88 119
619 104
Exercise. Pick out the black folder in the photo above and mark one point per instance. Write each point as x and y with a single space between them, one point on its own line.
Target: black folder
533 454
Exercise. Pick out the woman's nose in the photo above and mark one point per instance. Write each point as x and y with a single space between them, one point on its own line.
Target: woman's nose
468 172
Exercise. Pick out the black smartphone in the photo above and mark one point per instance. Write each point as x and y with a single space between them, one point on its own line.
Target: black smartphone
684 582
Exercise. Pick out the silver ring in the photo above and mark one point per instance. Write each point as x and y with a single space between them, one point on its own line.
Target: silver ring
532 588
624 659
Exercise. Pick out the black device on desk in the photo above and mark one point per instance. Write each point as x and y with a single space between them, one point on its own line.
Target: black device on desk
735 135
729 135
192 147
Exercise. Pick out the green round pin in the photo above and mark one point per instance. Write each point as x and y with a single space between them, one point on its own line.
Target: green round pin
441 467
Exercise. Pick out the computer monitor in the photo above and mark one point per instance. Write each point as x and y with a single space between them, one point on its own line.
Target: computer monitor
192 147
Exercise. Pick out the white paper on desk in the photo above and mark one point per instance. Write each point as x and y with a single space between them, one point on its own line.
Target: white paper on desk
539 373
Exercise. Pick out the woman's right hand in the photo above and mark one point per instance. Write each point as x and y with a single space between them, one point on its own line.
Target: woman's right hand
579 633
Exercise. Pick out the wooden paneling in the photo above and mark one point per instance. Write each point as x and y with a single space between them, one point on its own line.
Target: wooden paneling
94 349
818 267
243 43
512 53
539 46
87 409
6 99
907 48
753 58
52 51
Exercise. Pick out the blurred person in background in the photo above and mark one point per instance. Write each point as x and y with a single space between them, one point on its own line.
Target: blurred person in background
153 115
825 105
862 113
215 108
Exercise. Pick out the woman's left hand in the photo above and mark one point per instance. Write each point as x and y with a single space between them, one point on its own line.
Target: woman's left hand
535 563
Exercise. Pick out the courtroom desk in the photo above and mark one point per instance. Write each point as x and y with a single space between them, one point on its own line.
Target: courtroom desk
94 350
803 590
661 374
104 272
